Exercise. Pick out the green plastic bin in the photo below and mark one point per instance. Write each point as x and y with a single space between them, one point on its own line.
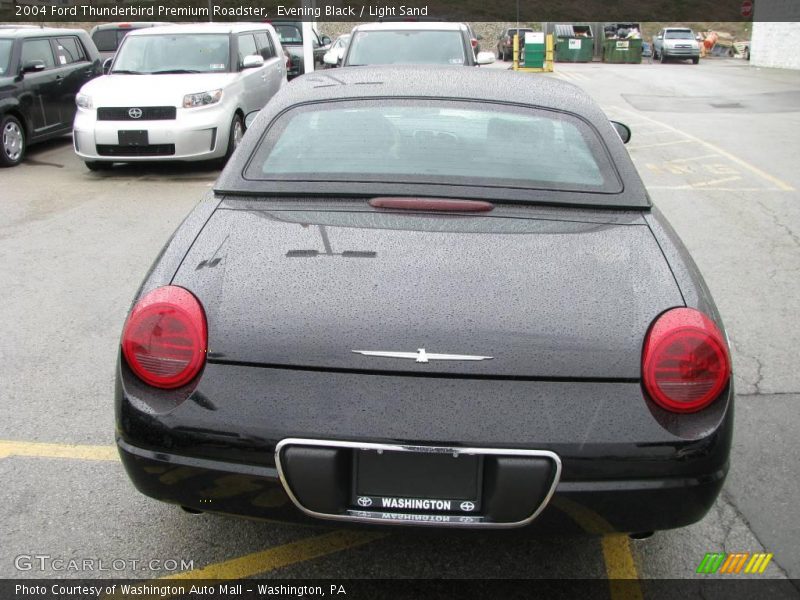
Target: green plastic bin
622 51
534 50
574 43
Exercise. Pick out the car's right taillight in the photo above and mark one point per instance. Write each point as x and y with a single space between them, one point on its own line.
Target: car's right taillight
685 361
165 337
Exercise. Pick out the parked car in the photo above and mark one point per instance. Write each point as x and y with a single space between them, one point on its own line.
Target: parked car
474 38
291 36
418 43
333 57
41 71
505 43
676 42
108 36
475 287
178 92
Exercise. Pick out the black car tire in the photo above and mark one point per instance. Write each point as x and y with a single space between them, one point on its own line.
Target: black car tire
695 61
233 143
98 165
663 58
13 150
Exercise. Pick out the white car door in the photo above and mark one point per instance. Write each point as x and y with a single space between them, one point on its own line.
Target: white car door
254 80
274 61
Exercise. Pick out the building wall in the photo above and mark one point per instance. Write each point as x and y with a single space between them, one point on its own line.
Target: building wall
776 34
775 45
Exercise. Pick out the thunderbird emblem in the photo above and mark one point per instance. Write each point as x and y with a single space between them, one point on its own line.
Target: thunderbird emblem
421 356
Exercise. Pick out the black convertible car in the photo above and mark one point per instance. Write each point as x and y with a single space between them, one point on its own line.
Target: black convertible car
470 315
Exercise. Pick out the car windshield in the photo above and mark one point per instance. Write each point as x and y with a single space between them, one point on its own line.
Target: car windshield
406 47
5 55
434 142
173 53
683 34
289 34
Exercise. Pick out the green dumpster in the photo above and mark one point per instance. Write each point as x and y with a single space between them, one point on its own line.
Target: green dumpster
534 50
622 51
574 43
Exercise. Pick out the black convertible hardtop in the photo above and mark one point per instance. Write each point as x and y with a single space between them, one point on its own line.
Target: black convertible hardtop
457 84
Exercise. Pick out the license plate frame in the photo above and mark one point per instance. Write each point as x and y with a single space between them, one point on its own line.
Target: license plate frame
133 137
419 482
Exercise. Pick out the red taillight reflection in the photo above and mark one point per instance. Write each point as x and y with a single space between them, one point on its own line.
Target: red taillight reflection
165 338
685 362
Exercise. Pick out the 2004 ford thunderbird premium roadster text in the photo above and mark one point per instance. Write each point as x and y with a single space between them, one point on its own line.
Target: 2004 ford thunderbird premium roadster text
425 327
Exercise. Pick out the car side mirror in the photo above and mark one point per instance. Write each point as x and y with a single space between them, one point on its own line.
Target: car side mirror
485 58
253 61
33 66
107 65
330 58
326 41
623 130
249 118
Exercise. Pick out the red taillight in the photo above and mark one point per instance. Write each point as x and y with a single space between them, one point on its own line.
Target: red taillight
165 338
474 43
685 363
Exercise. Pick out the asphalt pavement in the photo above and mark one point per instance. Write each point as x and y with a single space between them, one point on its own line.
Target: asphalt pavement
717 146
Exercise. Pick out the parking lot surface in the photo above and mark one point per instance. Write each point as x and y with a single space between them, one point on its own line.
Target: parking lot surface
715 143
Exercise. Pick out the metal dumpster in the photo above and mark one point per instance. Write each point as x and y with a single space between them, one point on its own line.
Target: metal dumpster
622 43
574 43
622 51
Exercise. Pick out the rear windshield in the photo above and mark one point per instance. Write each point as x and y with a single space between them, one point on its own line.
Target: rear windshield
437 142
289 34
173 53
5 55
406 47
680 34
107 40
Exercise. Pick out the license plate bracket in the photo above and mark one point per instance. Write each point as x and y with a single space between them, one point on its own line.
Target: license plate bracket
132 137
427 482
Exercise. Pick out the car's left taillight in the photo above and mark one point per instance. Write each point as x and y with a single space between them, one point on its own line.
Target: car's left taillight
474 43
685 361
165 337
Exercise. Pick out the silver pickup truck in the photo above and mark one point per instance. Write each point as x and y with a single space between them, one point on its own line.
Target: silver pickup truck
676 43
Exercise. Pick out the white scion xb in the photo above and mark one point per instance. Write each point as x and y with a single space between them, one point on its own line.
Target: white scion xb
178 92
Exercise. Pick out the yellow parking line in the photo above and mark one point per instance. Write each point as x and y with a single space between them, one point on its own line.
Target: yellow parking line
710 189
715 181
282 556
691 158
42 450
620 566
672 143
781 185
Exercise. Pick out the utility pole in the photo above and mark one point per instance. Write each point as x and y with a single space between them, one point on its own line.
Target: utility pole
308 46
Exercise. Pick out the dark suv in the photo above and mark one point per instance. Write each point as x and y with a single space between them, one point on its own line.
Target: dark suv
108 36
505 44
290 34
41 71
